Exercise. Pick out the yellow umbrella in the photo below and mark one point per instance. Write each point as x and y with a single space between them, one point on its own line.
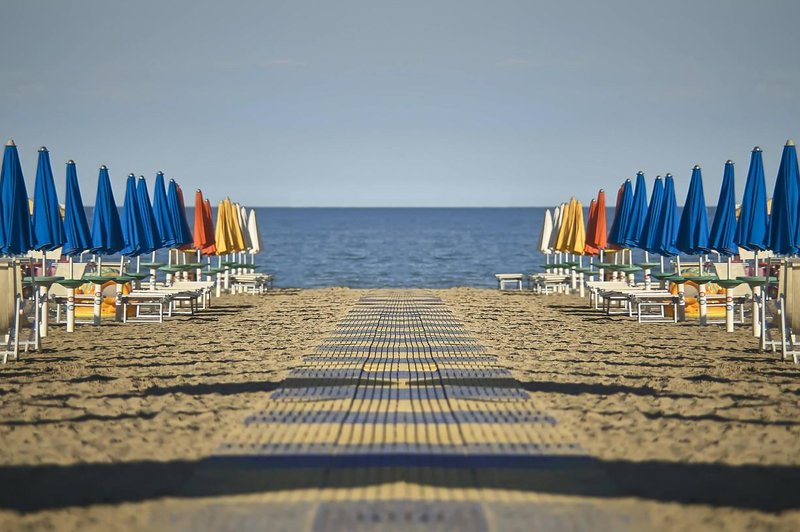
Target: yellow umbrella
222 231
577 241
562 240
237 238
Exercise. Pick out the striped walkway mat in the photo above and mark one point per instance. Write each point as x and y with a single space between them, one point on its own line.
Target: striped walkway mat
399 420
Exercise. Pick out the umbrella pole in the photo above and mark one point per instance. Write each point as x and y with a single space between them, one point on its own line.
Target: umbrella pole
756 309
71 300
681 293
43 295
98 294
581 278
729 302
764 299
661 260
647 281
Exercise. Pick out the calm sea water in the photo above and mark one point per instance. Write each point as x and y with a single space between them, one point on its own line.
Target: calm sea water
411 247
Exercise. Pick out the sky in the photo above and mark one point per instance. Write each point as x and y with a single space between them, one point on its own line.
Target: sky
412 103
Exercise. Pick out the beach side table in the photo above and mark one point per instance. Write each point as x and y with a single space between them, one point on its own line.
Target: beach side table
153 267
662 278
138 278
680 280
41 287
702 281
647 267
120 281
503 279
729 285
97 281
758 284
71 285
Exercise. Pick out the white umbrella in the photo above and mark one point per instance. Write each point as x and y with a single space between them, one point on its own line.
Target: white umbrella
557 220
255 236
242 212
547 230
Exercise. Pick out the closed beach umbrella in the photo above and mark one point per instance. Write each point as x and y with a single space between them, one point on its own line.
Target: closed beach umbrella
721 238
751 229
211 248
562 238
132 226
577 237
15 225
650 228
782 228
622 214
107 236
151 239
558 216
77 237
600 229
203 234
161 213
177 215
693 229
667 231
633 228
237 238
255 235
48 227
589 248
222 235
547 229
243 224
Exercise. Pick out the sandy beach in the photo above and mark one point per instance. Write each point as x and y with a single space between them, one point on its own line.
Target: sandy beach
103 428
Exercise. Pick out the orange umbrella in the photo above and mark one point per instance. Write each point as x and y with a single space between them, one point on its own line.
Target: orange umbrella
597 232
203 236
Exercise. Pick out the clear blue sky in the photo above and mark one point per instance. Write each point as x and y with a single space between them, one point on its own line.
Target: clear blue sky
411 103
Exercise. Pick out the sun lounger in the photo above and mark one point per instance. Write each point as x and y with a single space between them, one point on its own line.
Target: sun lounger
548 283
148 307
251 283
505 279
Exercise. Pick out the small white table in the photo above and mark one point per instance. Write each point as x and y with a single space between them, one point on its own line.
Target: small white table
504 279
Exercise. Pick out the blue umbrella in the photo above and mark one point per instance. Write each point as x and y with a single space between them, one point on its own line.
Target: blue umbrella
782 227
632 231
667 227
161 213
106 228
723 228
650 226
622 213
15 226
48 228
76 229
132 226
177 214
751 230
151 240
693 229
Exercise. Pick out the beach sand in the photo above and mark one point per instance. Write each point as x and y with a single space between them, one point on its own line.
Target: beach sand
102 429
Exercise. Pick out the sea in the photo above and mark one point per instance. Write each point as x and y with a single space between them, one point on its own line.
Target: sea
397 247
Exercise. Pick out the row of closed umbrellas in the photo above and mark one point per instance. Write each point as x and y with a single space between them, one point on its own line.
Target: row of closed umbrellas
657 228
143 227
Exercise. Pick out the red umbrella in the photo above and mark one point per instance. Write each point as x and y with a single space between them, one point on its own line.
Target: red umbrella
590 248
203 229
